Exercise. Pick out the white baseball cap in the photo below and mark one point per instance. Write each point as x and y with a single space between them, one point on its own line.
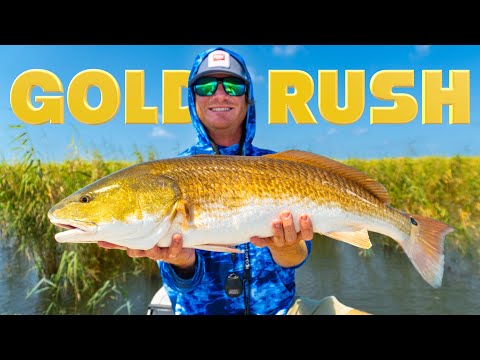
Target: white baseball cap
220 61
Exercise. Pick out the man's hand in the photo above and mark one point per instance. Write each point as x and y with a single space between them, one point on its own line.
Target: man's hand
284 233
286 245
183 259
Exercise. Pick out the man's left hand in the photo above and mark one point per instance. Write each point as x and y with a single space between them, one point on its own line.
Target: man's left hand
284 233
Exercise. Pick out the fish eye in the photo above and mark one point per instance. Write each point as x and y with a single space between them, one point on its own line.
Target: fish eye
85 199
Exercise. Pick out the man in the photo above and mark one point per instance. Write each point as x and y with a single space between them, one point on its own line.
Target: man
262 279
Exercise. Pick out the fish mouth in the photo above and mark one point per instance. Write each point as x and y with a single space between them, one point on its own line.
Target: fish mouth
76 231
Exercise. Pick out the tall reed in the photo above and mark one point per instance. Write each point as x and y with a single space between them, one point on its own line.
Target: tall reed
68 273
86 276
443 188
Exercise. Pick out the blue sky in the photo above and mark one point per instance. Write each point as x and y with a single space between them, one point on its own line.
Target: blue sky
116 140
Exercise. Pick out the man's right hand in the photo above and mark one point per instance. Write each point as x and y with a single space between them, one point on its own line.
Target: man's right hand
183 259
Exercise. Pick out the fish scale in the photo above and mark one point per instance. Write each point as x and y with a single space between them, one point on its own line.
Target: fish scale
217 202
276 180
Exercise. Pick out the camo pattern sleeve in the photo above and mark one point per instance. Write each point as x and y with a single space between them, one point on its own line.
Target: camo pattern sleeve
271 287
169 276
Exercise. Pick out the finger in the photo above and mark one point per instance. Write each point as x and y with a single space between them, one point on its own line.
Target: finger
155 253
175 247
289 231
278 237
261 242
134 253
306 228
107 245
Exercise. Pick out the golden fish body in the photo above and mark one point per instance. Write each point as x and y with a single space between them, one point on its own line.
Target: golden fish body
220 201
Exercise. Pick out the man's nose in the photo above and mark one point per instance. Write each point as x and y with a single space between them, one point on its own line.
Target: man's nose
220 91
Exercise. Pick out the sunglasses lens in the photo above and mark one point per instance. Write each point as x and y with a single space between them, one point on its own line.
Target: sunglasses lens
205 86
208 85
234 86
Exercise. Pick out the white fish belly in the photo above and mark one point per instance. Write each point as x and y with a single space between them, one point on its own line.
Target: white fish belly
237 226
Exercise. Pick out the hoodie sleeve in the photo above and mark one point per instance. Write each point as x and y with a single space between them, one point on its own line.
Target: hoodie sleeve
171 279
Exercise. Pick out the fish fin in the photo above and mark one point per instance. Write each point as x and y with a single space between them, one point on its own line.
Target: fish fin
337 168
425 247
358 238
185 207
218 248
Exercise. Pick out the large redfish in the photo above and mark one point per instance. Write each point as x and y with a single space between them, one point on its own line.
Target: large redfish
217 202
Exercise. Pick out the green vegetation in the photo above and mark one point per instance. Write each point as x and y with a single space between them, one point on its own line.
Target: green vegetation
87 276
83 275
442 188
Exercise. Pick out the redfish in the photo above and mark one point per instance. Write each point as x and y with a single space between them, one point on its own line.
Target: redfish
218 202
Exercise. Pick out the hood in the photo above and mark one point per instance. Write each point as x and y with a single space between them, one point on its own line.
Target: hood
203 145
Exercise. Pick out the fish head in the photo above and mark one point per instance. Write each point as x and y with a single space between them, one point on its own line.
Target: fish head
122 208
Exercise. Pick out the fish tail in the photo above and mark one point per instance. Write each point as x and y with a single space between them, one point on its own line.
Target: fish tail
425 247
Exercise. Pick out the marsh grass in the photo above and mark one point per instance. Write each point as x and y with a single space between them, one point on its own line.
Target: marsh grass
443 188
87 277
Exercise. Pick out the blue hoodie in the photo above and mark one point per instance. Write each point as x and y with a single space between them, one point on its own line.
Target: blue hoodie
272 287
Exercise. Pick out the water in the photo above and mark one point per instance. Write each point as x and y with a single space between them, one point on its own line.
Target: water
138 291
16 280
385 283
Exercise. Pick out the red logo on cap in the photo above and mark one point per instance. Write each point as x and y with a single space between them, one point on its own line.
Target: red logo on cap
218 57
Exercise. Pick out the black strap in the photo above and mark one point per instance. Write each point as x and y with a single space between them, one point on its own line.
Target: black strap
246 280
231 284
246 267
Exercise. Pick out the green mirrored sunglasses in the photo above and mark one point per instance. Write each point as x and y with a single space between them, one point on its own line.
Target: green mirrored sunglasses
207 86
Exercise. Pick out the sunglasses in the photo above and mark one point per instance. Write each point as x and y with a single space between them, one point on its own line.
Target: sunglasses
207 86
